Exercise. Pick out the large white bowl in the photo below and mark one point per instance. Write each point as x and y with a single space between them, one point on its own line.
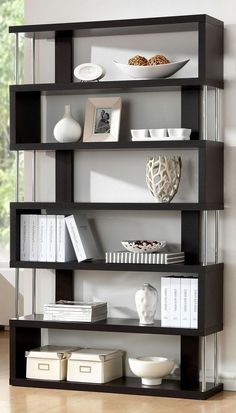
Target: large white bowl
143 246
151 370
151 72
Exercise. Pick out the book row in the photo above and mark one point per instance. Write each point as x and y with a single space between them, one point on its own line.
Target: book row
179 302
75 311
56 238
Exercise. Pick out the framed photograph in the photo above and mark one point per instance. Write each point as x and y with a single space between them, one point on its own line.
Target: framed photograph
102 119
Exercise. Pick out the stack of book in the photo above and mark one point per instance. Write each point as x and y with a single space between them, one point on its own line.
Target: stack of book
56 238
125 257
179 302
75 311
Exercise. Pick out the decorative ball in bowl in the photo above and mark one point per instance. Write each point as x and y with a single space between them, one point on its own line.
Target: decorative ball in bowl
151 369
143 246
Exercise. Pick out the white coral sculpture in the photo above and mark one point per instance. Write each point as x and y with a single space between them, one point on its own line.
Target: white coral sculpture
163 177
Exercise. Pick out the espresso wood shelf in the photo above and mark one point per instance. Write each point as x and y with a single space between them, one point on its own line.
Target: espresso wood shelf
116 146
168 24
25 207
120 325
145 85
101 265
126 385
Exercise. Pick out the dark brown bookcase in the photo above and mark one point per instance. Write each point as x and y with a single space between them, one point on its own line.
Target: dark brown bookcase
25 134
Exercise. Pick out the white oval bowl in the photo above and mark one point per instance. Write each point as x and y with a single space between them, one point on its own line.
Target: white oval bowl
89 72
134 246
151 72
151 369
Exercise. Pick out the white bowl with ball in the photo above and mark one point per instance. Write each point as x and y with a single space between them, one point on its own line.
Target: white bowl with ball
143 245
151 369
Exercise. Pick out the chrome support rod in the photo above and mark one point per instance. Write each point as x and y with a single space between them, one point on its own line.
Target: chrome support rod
204 113
203 363
17 176
34 199
216 378
217 218
217 114
34 291
33 59
205 237
17 58
33 182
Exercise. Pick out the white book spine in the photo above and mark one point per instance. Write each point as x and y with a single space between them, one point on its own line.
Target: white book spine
81 234
33 238
64 248
185 321
51 238
75 238
24 237
194 303
175 302
60 241
165 302
42 238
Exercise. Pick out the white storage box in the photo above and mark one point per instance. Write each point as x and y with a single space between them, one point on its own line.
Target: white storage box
47 362
94 365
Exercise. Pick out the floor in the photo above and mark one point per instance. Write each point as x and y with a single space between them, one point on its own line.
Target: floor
27 400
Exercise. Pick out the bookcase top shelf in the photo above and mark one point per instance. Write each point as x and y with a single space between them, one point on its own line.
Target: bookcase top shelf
122 325
126 26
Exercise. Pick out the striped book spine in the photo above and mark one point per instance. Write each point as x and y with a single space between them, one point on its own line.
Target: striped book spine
122 257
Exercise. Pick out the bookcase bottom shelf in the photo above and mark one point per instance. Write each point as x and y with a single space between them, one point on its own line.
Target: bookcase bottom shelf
127 385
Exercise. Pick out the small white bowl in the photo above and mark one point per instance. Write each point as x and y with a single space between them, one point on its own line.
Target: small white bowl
143 246
179 133
151 370
158 133
139 133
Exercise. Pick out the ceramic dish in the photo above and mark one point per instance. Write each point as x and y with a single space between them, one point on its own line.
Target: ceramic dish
151 72
139 133
179 133
143 246
165 138
151 370
89 71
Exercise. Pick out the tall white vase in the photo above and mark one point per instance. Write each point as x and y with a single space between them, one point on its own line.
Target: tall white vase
67 129
146 303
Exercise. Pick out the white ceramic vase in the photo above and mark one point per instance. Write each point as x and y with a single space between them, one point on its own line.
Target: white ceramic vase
146 303
163 175
67 129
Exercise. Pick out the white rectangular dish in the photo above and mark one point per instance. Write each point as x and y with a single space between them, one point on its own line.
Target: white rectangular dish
166 139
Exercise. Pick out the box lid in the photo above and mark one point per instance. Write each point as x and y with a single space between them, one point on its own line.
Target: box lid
50 352
94 354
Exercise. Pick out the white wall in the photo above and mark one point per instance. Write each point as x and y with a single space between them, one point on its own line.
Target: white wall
90 284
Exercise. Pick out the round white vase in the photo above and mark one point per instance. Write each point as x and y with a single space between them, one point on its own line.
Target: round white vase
146 303
67 129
